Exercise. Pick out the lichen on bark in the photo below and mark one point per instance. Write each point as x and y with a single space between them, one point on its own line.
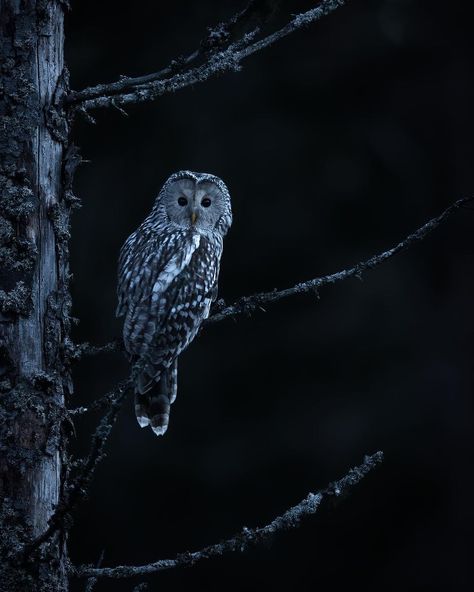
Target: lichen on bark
34 297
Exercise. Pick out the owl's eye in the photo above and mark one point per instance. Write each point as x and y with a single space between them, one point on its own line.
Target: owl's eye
182 201
206 202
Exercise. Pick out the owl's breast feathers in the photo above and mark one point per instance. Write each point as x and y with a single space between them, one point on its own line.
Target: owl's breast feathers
167 282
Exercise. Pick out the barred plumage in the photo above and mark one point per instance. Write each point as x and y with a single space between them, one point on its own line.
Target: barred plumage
168 271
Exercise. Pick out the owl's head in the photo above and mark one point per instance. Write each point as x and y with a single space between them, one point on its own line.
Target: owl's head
198 200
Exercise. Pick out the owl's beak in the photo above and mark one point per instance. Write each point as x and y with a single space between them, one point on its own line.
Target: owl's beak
194 217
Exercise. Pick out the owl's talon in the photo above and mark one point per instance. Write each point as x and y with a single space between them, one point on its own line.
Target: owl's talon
218 306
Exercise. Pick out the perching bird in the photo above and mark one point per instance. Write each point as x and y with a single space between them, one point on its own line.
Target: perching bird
168 270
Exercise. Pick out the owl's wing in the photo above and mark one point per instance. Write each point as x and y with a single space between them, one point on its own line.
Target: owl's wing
147 267
146 260
125 270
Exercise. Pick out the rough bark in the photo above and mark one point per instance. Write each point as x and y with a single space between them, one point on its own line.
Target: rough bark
34 299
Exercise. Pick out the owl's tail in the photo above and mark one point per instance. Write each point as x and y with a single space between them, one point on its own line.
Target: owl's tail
153 406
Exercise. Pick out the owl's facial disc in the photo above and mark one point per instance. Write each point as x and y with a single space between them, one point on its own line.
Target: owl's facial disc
195 204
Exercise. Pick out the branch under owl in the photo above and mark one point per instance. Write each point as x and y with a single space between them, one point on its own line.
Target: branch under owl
222 54
248 536
249 304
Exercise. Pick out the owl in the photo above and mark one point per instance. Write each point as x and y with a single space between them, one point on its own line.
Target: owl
167 280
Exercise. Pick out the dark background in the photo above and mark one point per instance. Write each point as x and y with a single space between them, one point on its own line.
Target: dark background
335 144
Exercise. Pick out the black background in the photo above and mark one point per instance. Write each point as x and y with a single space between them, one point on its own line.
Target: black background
335 144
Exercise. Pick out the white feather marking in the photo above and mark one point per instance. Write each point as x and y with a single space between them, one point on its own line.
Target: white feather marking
176 265
143 421
159 430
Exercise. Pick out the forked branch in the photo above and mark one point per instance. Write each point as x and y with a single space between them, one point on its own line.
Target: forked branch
152 86
247 537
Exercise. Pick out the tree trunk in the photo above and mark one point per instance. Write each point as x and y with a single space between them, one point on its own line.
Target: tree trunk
34 298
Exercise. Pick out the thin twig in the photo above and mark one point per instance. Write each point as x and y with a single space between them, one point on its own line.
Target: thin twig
90 585
85 349
152 86
91 582
77 489
248 536
100 403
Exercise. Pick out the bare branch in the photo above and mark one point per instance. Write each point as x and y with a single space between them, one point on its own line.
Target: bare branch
248 304
77 489
153 86
85 349
256 12
248 536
